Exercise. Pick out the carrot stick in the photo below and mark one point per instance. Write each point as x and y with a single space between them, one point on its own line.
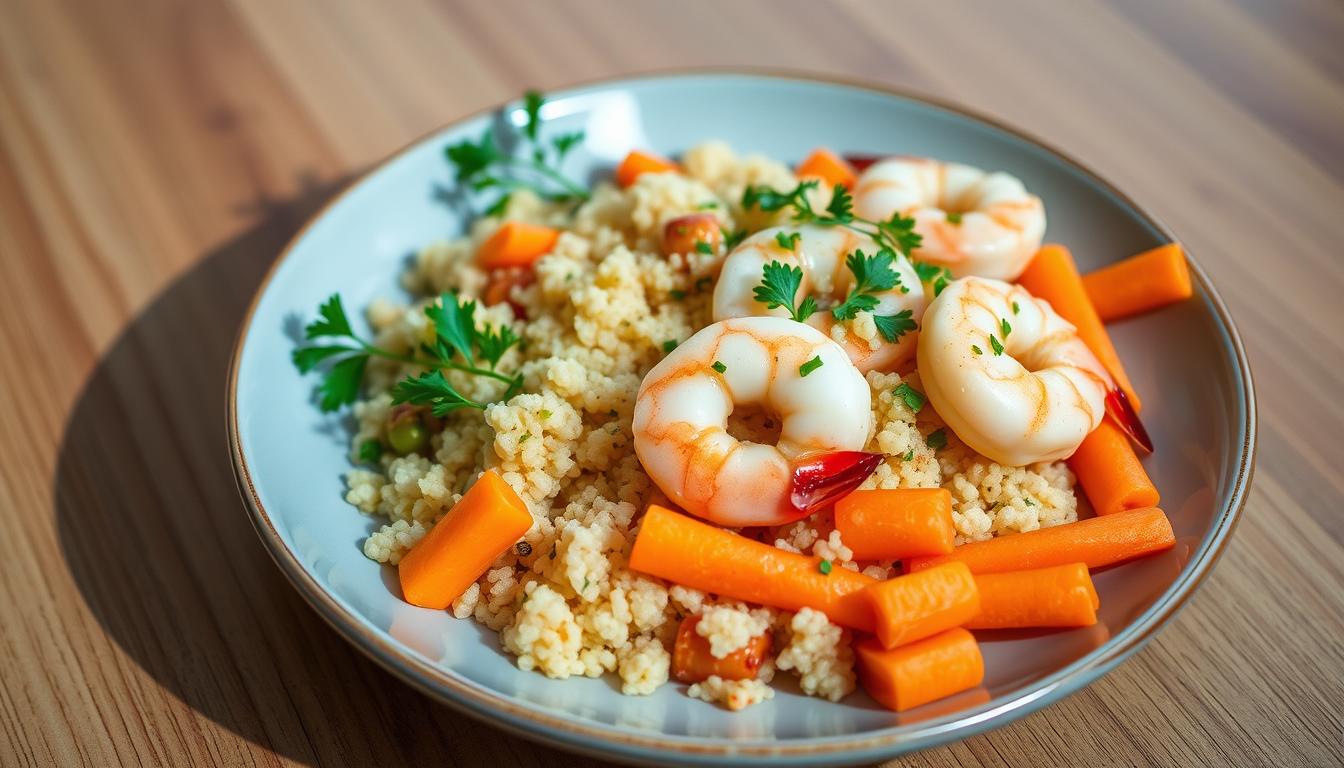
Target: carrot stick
1096 542
896 523
920 605
1052 276
1061 596
638 163
516 244
461 546
829 167
924 671
692 661
675 547
1142 283
1110 472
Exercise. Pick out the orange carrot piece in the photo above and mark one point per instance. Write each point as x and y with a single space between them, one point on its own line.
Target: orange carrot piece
685 551
685 234
461 546
1142 283
1061 596
1096 542
1052 276
638 163
502 282
516 244
829 167
920 605
924 671
1110 473
896 523
692 661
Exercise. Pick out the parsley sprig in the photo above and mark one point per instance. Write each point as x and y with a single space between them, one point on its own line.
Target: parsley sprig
897 233
483 164
458 345
779 288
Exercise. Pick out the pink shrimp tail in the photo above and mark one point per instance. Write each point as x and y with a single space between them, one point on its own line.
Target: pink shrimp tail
1123 414
823 478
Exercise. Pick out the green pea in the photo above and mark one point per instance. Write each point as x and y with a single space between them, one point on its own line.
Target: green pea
407 436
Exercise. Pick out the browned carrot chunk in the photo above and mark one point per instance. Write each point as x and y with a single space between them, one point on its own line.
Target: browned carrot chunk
693 662
697 233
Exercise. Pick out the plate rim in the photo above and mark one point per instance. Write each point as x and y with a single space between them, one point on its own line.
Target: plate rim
576 734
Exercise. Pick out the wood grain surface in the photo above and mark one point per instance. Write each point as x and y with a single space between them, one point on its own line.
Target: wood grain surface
156 154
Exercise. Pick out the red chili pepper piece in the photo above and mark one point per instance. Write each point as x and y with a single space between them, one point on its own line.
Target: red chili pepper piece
861 162
823 478
1123 414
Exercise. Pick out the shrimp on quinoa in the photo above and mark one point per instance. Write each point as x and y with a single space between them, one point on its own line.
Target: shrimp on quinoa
973 222
820 252
789 370
1009 375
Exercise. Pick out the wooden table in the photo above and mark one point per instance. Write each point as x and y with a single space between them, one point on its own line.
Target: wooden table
155 155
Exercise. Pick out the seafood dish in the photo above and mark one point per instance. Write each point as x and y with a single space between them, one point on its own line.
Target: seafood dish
717 420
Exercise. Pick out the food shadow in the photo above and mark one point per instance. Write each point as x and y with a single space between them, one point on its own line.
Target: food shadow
153 532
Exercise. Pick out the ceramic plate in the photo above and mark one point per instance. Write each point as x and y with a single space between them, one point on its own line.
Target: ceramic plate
1186 360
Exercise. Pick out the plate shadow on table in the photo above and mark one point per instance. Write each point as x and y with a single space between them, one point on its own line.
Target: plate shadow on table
153 532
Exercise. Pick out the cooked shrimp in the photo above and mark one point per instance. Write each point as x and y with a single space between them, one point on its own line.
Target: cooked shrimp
789 370
820 253
1007 374
973 222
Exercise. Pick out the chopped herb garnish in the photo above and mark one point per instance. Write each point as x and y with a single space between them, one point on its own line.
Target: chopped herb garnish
370 451
734 238
703 283
995 345
669 345
1015 308
825 567
718 366
1028 502
977 350
544 414
872 275
788 240
914 399
708 205
526 436
810 366
1006 328
676 294
909 455
937 439
934 275
779 288
483 164
458 345
954 218
893 327
897 233
705 248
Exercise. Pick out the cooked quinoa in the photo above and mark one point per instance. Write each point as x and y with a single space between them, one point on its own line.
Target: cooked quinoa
604 305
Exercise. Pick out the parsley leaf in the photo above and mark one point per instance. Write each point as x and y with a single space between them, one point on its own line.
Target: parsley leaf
872 274
493 343
720 367
454 323
810 366
1015 308
532 101
370 451
733 239
914 399
841 207
341 384
331 320
901 230
909 455
779 287
893 327
937 439
432 389
307 358
788 240
937 276
995 345
1006 328
954 218
702 247
977 350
